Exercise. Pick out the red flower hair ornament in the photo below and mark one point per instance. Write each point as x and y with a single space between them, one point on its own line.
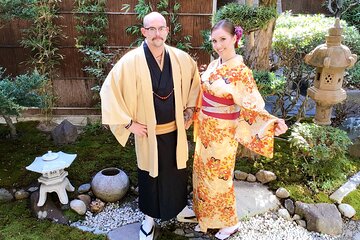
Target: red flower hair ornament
238 33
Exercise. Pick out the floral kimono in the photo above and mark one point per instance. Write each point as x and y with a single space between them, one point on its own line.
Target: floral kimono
230 111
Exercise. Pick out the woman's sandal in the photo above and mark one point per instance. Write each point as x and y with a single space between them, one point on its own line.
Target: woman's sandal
221 234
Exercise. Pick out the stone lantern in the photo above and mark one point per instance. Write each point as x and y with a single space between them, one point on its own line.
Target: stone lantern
54 179
330 59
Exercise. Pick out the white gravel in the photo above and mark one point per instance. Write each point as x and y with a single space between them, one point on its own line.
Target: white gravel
271 227
264 227
112 217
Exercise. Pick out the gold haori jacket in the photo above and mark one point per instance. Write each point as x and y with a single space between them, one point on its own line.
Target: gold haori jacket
127 95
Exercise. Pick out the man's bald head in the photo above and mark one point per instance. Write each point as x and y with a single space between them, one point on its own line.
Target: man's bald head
153 16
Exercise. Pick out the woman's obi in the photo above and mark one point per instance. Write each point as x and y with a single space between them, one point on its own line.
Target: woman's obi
221 108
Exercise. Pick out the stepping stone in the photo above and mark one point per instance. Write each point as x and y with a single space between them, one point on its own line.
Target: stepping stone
253 199
129 232
345 189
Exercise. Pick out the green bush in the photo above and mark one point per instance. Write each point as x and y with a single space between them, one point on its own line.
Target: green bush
303 33
353 77
268 83
248 17
321 152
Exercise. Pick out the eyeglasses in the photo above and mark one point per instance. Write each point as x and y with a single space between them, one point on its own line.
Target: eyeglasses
153 30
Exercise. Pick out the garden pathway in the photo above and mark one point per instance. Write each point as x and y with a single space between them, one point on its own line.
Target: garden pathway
345 189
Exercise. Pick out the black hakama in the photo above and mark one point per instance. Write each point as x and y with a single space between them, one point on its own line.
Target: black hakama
164 196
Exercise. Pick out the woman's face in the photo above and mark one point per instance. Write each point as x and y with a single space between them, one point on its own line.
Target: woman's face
223 42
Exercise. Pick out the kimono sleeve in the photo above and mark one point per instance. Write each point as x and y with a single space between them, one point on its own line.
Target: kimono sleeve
115 109
255 126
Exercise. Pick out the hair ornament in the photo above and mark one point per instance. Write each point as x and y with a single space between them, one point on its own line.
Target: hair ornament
238 33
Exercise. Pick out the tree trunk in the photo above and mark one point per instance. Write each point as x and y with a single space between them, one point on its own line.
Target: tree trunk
257 56
258 47
11 126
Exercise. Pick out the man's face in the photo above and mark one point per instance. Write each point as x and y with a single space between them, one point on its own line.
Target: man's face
155 31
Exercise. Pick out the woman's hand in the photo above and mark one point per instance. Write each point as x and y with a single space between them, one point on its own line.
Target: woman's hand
280 127
138 129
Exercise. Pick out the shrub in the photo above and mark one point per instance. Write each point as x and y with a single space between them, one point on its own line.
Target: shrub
268 83
352 80
321 152
18 93
248 17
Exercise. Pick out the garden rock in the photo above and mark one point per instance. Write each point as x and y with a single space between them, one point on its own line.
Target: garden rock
264 176
84 188
78 206
64 133
282 193
86 199
33 189
239 175
47 211
301 223
346 210
284 214
289 205
21 194
322 217
97 206
352 126
5 195
296 217
251 178
354 149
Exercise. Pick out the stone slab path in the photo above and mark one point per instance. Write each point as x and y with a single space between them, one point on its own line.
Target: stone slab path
128 232
345 189
253 199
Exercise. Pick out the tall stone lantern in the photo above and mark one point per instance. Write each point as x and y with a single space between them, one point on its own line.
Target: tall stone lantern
330 59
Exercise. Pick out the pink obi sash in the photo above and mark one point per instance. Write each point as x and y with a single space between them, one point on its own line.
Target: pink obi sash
219 107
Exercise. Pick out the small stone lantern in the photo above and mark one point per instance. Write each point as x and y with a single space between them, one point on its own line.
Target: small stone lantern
51 165
330 59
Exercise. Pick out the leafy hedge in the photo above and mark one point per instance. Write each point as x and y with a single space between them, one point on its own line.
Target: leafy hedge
250 18
303 33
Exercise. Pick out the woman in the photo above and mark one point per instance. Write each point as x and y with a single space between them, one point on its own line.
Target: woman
230 110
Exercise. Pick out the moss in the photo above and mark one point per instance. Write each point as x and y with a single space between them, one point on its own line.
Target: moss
322 197
353 199
16 223
300 193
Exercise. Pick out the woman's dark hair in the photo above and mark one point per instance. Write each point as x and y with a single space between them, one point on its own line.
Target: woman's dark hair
226 25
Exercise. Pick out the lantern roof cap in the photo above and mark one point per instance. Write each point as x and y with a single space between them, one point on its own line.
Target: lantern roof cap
332 53
51 161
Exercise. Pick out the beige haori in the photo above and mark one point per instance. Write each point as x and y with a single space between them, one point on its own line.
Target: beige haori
127 95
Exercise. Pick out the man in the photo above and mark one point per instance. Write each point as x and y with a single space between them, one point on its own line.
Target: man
151 92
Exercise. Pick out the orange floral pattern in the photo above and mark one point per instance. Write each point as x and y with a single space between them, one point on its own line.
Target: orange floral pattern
217 141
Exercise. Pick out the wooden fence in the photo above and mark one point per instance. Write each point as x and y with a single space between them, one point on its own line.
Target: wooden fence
72 87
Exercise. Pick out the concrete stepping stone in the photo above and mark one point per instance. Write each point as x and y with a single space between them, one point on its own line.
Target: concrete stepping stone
129 232
345 189
253 199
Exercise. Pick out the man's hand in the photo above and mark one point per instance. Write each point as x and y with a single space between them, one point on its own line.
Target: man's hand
280 127
188 117
138 129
